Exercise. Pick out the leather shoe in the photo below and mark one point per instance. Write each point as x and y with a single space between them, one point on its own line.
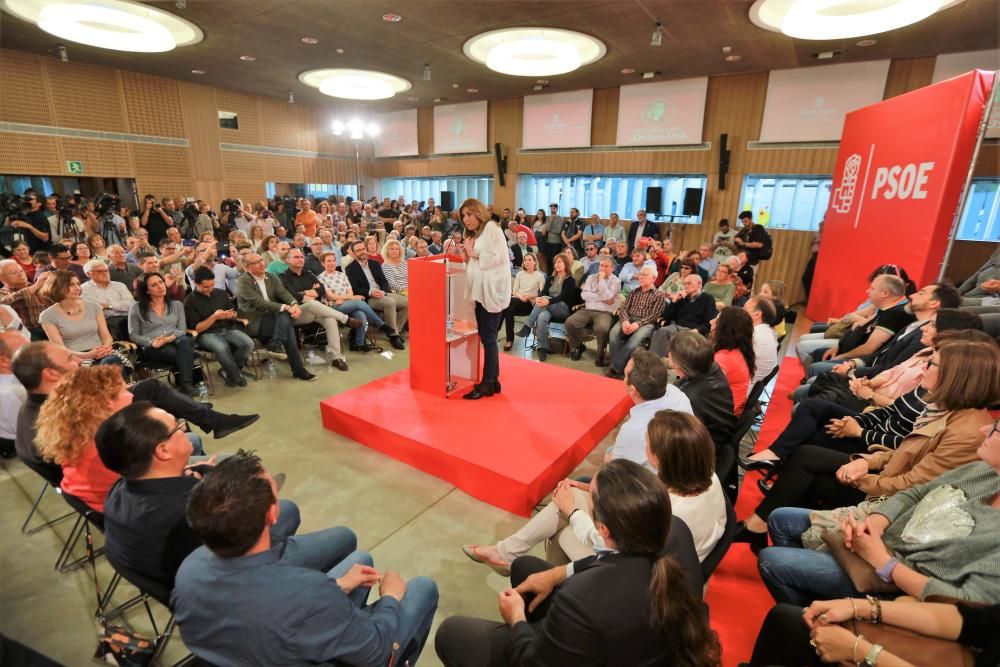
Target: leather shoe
225 378
543 354
481 390
353 322
340 364
397 342
229 424
602 360
757 541
615 375
360 348
496 387
523 332
576 353
305 376
764 466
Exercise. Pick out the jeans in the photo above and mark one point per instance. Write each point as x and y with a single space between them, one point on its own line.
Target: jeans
809 343
622 347
541 316
179 354
288 521
320 550
231 347
817 368
489 325
361 310
796 575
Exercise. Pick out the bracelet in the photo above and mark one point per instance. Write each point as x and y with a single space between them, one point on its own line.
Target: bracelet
854 606
872 656
876 610
854 651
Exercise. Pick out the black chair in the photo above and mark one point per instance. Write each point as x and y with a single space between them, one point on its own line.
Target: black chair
85 516
725 470
718 552
52 476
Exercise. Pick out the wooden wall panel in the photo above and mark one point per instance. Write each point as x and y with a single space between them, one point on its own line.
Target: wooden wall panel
85 96
279 123
201 124
906 74
99 158
30 154
604 121
248 191
988 163
162 169
239 166
152 105
323 170
248 116
282 169
425 130
25 99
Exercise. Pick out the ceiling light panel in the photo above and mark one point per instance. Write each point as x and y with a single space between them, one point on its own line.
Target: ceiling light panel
534 51
355 84
108 24
841 19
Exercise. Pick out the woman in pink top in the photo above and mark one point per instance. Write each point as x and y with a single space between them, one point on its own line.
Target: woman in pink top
732 334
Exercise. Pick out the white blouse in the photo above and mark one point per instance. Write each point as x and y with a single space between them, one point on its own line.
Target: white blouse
489 273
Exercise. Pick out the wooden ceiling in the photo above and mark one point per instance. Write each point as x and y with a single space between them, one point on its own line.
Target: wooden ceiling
433 31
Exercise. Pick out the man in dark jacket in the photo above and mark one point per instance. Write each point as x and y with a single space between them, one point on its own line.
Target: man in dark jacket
692 358
368 280
640 228
690 309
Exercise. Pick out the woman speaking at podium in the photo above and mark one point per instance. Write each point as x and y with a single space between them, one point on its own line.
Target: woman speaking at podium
488 271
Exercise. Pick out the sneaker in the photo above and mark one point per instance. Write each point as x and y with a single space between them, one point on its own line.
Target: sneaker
277 352
229 424
305 376
354 323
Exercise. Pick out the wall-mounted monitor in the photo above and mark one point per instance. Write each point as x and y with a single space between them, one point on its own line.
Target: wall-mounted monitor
558 120
398 135
663 113
949 65
460 128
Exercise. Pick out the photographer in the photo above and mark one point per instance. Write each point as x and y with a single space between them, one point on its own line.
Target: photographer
105 220
153 219
33 224
206 222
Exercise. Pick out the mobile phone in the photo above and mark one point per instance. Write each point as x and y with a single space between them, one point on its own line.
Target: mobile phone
189 243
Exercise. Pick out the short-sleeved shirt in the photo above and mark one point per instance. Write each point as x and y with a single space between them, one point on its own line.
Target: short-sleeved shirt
336 282
78 335
198 307
893 319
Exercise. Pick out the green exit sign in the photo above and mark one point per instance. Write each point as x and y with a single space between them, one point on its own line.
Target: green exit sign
74 166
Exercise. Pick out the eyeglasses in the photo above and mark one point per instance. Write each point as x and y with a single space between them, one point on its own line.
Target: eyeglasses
995 429
181 425
931 362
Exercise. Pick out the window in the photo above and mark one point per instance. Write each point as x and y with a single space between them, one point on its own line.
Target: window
317 190
421 189
787 202
228 120
979 221
605 194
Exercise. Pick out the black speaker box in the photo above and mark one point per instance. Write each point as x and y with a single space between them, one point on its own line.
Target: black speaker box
447 200
692 201
654 201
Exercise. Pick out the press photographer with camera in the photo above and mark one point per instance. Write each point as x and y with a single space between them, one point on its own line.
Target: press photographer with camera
32 223
154 219
105 220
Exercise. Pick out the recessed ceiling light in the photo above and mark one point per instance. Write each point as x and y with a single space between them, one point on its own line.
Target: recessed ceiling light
628 70
534 51
340 51
454 85
538 86
841 19
413 99
197 71
732 58
472 90
248 59
310 40
648 75
108 24
867 42
355 84
439 99
392 18
542 81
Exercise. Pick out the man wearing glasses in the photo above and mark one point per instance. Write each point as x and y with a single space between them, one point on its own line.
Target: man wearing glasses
113 297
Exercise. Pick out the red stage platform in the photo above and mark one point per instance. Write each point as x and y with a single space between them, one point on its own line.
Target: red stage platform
508 450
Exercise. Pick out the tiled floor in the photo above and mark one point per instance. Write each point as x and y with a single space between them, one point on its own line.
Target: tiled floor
411 522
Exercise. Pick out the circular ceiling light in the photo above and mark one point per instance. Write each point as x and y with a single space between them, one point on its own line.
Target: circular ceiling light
392 18
841 19
198 71
310 40
248 59
534 51
733 58
108 24
355 84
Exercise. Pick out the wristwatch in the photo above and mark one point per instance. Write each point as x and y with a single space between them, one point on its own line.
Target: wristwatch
871 658
885 572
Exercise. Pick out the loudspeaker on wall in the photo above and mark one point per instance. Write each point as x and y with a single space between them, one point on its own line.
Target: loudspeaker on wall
692 201
654 200
447 200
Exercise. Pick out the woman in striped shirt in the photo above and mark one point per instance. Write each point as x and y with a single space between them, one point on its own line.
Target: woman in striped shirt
394 266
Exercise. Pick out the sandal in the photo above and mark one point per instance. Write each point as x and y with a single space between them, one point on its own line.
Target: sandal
500 567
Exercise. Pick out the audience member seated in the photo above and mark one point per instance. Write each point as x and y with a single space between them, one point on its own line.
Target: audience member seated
765 344
145 530
629 273
528 284
394 266
206 256
691 357
12 393
113 297
76 323
722 288
635 323
590 260
630 605
555 301
961 382
690 309
646 385
576 268
24 297
61 261
732 338
279 264
243 600
371 245
774 291
269 310
601 292
156 323
621 255
305 287
368 280
210 311
818 636
122 271
661 254
174 283
982 288
935 539
68 422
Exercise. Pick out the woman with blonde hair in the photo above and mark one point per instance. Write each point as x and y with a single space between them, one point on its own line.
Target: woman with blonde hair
488 269
98 250
528 283
775 291
394 265
257 237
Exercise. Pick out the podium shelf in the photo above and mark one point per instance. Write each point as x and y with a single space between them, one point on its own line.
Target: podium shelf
453 335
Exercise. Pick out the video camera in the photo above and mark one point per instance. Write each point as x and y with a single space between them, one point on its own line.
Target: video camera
106 205
13 206
230 208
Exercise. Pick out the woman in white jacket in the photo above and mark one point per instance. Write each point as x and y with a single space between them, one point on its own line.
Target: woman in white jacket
488 267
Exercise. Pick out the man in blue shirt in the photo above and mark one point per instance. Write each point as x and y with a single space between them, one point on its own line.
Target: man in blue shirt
239 602
629 273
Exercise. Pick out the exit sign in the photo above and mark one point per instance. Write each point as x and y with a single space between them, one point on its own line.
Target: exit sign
74 166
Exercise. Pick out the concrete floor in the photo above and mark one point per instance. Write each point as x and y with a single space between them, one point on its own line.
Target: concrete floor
411 522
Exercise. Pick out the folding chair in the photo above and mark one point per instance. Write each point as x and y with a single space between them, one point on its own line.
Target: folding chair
51 475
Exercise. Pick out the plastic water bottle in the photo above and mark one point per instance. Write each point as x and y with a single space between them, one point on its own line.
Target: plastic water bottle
449 323
272 371
202 391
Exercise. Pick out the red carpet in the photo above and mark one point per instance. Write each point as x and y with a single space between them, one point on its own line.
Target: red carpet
508 450
736 596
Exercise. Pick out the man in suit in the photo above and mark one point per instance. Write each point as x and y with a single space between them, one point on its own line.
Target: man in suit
520 249
269 310
368 280
641 227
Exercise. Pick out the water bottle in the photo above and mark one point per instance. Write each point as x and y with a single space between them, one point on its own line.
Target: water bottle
449 323
202 391
272 371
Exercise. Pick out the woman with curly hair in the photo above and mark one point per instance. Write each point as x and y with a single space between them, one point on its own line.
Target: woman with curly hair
732 333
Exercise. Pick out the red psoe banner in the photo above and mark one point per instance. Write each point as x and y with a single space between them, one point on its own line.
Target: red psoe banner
900 172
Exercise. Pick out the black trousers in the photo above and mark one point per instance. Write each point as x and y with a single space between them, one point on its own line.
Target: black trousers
516 307
462 641
808 480
489 324
784 639
169 400
808 426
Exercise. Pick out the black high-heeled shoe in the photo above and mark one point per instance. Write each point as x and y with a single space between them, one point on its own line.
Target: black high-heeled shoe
769 467
757 541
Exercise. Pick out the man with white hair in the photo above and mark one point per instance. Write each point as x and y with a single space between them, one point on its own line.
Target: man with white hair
114 298
121 271
688 309
23 297
708 261
600 298
636 319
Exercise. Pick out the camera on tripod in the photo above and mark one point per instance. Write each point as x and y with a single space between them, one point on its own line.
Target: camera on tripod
230 208
106 207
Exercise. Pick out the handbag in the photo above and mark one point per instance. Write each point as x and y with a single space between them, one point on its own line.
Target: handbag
912 647
860 571
836 330
822 522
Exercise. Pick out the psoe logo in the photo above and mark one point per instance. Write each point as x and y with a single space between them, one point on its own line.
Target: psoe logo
458 127
843 196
